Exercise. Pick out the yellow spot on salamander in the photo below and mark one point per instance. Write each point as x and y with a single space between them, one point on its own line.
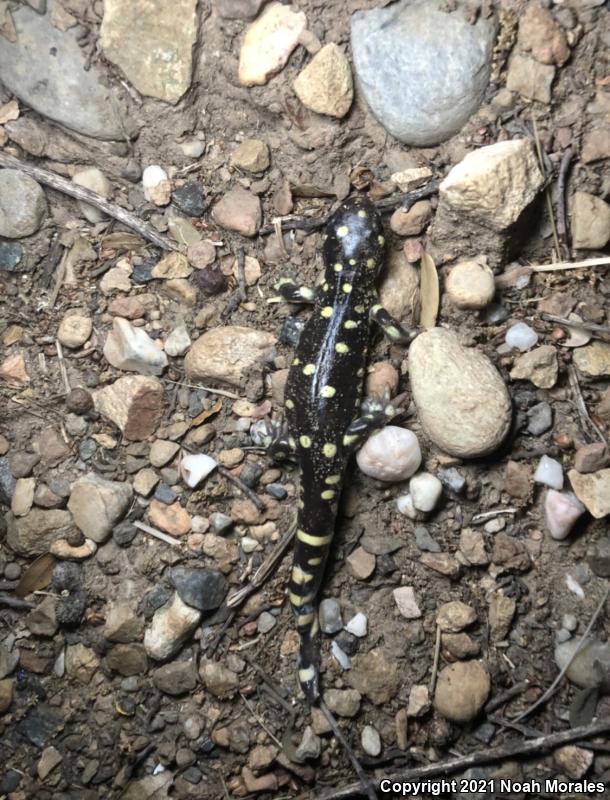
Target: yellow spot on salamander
292 442
350 324
304 619
296 600
375 308
314 562
309 369
349 439
347 288
289 403
306 292
305 441
327 312
338 267
381 240
307 674
328 391
362 214
325 286
360 372
392 332
352 262
371 263
296 361
330 450
359 309
341 347
332 479
342 231
299 576
314 541
327 494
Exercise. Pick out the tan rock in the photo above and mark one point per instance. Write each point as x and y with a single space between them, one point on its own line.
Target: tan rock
326 85
33 534
251 155
81 663
173 265
23 496
171 625
530 78
593 359
268 43
375 676
590 221
539 366
382 377
74 329
228 354
411 178
97 505
595 144
470 284
162 452
462 690
173 519
501 612
13 370
240 211
413 221
6 695
541 35
361 564
399 288
593 490
573 761
454 616
134 403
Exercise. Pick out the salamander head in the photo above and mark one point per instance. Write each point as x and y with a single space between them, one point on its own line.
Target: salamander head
354 242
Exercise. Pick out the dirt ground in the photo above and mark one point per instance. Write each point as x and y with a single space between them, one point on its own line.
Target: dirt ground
119 735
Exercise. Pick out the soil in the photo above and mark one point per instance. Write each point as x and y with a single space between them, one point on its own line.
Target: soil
111 734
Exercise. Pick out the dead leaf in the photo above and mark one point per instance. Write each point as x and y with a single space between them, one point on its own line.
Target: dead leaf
9 111
578 336
205 415
429 292
37 576
122 240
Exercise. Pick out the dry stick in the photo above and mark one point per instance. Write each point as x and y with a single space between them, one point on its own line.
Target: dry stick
498 512
437 653
551 690
488 756
64 186
62 367
514 691
242 487
562 224
547 191
593 327
164 537
260 720
15 602
559 265
581 406
221 392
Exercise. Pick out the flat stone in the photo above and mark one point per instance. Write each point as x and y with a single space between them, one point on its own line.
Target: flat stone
251 155
33 534
13 369
45 69
171 625
176 678
326 85
228 354
50 758
397 52
97 505
593 490
343 702
173 519
6 695
460 397
240 211
132 349
443 563
152 42
472 547
595 144
23 496
204 589
404 597
454 616
530 78
134 403
74 329
462 690
268 43
589 457
590 221
374 676
23 204
81 663
501 612
162 452
127 659
412 222
593 359
539 366
361 564
173 265
399 288
41 621
122 623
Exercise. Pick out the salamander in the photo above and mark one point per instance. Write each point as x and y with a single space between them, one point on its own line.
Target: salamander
326 415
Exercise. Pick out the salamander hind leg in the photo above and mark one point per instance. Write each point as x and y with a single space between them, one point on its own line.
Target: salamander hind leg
375 412
291 292
395 332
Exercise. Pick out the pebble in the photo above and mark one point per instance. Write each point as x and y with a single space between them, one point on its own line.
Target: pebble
201 254
132 349
391 454
50 758
598 557
530 78
453 617
573 761
239 210
410 178
521 337
97 505
382 376
340 655
424 541
162 452
412 222
343 702
594 359
154 50
157 185
176 678
204 589
13 369
173 265
375 675
517 479
452 479
309 747
194 468
425 490
74 329
461 399
326 85
357 625
23 496
220 523
549 472
251 155
122 623
171 625
190 199
541 35
330 616
470 284
405 506
539 419
24 205
540 367
81 663
371 741
61 548
134 403
219 680
404 597
493 184
595 145
462 690
115 280
419 701
93 179
443 563
361 563
231 354
591 457
268 43
590 667
11 254
399 287
395 53
173 519
593 490
562 510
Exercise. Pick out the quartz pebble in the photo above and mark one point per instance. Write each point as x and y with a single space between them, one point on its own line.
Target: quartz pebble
404 597
521 337
93 179
405 506
425 490
157 186
562 511
391 454
357 625
340 655
132 349
550 472
268 43
371 741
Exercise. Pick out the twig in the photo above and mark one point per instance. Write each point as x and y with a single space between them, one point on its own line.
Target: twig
221 392
16 602
585 326
365 782
240 295
547 191
437 653
64 186
514 691
526 730
562 225
62 367
581 406
551 690
164 537
558 265
242 487
488 756
260 721
498 512
60 274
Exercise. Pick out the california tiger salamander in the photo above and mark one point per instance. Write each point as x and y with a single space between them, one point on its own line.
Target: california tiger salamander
326 416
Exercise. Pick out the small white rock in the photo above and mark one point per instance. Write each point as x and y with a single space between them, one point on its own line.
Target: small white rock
371 741
425 490
550 472
248 545
193 148
132 349
178 342
340 656
574 586
404 597
404 504
156 184
391 454
357 625
521 337
562 510
195 467
94 179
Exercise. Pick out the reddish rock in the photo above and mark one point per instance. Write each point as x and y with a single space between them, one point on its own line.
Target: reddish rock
591 457
127 307
541 35
517 479
134 403
240 211
173 519
13 369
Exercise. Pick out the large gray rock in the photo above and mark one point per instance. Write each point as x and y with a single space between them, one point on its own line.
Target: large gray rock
22 204
45 69
97 505
33 534
422 71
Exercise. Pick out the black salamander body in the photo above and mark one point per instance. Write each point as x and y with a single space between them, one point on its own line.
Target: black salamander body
324 398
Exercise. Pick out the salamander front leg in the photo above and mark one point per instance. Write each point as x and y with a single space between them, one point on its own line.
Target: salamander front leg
276 440
292 293
395 332
375 413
